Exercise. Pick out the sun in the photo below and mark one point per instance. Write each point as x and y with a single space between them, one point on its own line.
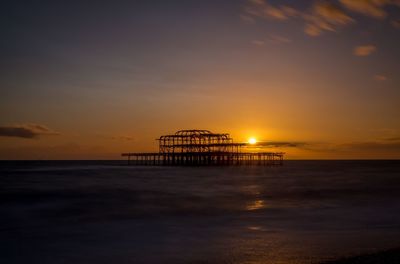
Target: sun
252 141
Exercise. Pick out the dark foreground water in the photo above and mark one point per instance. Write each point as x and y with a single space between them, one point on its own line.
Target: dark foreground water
102 212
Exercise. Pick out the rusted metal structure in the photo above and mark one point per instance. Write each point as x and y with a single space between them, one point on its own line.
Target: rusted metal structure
202 147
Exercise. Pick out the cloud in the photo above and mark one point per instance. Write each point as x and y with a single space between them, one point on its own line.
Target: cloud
277 39
260 8
364 50
247 19
396 23
258 42
393 139
274 39
125 138
370 147
312 30
275 13
384 148
281 144
372 8
323 15
387 148
290 11
26 131
380 77
331 13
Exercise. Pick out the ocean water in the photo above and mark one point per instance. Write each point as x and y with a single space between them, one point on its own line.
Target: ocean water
106 212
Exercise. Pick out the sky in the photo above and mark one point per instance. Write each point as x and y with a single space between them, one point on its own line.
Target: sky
85 80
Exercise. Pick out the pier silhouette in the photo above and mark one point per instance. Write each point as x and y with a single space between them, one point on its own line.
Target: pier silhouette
202 148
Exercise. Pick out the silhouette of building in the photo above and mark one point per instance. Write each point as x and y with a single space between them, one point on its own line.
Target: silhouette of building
202 147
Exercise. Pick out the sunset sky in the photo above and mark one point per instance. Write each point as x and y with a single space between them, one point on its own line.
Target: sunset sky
92 79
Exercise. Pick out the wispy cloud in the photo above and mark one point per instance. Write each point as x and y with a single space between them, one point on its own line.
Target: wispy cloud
247 19
331 13
124 138
393 138
372 8
364 50
26 131
377 148
274 39
388 147
282 144
325 16
380 77
258 42
370 147
277 39
321 15
396 23
262 9
312 30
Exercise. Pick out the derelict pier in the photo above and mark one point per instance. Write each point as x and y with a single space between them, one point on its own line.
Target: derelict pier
202 148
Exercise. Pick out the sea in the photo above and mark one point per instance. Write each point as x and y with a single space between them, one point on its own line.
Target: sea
109 212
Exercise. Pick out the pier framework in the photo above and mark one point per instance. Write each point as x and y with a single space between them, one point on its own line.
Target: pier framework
202 147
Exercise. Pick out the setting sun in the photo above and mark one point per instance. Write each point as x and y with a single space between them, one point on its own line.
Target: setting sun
252 141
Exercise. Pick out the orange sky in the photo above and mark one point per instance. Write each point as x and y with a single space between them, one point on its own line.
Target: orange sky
317 81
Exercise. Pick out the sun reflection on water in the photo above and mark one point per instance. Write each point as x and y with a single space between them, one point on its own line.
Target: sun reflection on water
255 205
254 228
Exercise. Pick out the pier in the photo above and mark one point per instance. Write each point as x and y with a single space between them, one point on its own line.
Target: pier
202 148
